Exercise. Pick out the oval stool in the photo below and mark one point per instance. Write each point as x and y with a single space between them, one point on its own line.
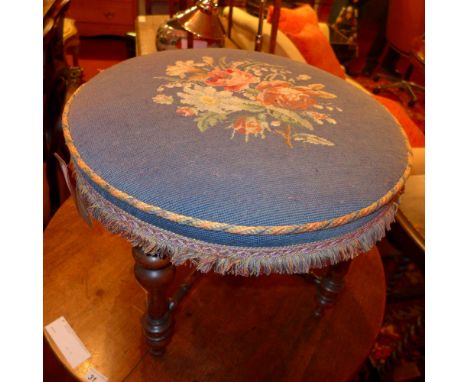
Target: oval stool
239 162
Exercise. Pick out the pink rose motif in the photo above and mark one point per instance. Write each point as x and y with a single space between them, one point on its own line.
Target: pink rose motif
186 111
318 116
231 79
249 126
285 95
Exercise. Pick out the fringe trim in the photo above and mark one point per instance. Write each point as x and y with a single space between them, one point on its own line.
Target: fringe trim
244 261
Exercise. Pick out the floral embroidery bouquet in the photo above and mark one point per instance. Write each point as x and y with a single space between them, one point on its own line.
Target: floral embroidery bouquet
248 97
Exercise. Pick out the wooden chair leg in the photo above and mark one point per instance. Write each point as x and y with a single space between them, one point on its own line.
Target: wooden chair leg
330 286
155 274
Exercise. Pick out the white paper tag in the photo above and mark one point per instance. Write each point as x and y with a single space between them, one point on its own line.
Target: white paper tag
95 376
68 342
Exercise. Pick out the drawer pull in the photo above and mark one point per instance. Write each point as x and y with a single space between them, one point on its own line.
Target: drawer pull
109 14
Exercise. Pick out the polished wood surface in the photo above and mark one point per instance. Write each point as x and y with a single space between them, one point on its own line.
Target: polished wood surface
104 17
226 329
155 274
330 286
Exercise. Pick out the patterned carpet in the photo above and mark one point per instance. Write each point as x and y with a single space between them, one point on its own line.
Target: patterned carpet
398 353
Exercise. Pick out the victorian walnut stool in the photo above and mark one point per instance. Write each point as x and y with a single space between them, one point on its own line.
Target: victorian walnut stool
236 162
228 328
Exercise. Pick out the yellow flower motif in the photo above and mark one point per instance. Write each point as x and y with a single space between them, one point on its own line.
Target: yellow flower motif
181 68
163 99
209 99
208 60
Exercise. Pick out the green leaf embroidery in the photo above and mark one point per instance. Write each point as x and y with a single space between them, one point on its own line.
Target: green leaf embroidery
289 116
254 108
209 119
250 91
313 139
222 63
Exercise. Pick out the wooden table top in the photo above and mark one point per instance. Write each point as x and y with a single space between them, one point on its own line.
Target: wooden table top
226 329
146 27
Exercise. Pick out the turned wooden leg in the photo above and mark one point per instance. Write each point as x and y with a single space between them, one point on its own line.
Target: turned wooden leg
155 274
330 285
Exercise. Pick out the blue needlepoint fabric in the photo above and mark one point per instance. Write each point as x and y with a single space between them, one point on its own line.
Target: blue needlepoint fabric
236 137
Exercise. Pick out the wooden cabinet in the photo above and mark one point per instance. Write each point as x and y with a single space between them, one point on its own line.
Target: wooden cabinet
103 17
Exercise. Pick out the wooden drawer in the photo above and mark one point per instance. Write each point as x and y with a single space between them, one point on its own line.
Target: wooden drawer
103 16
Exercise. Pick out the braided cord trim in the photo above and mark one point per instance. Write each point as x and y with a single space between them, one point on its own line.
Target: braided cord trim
226 227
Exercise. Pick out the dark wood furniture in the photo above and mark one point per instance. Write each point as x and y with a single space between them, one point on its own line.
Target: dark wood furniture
229 329
59 81
157 7
46 6
104 17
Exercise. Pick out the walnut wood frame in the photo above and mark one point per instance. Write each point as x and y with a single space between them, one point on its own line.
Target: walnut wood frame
155 274
330 286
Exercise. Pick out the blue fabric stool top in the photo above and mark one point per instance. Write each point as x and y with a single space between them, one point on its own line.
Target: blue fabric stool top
240 162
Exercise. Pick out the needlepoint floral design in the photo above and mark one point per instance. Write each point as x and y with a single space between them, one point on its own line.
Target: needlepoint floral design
250 98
